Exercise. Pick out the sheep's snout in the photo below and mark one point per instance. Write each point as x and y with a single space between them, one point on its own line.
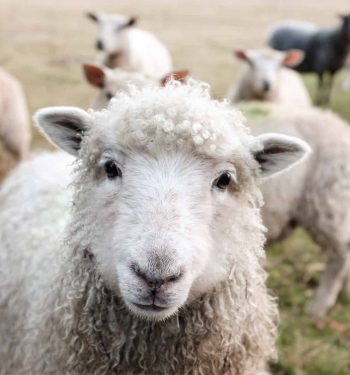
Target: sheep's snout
156 284
155 291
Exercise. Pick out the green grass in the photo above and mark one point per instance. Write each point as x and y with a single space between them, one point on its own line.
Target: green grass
306 346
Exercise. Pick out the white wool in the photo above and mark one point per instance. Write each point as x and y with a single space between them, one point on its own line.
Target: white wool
314 195
146 118
66 294
15 134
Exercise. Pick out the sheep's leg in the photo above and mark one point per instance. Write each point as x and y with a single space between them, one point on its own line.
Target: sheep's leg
319 94
332 281
346 285
328 89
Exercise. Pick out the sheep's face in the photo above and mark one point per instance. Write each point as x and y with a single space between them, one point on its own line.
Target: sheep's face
156 241
167 220
111 34
264 66
114 81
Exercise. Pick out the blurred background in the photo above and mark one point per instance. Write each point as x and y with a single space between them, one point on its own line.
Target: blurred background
43 44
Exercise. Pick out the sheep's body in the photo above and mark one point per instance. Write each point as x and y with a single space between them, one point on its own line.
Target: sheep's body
289 89
316 195
142 52
66 305
43 198
14 123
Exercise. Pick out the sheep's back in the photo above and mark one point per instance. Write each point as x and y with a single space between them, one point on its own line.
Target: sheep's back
282 193
34 202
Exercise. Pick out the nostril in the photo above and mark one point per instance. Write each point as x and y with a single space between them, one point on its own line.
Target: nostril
152 282
173 278
99 45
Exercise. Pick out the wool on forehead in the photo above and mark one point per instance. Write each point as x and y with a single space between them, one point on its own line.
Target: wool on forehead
173 117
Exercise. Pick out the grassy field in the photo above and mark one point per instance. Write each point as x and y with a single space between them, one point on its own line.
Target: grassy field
44 42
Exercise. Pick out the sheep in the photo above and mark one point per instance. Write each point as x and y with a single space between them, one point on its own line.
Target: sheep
315 195
15 132
266 79
159 267
130 48
325 49
112 81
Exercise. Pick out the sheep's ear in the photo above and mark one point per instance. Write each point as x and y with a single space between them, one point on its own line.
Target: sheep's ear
63 126
241 54
95 75
92 16
293 58
179 75
279 152
132 21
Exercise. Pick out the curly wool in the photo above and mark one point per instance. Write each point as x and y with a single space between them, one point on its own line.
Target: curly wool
75 324
229 330
153 118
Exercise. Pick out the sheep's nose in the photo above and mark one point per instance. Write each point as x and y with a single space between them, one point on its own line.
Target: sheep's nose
156 283
99 45
266 86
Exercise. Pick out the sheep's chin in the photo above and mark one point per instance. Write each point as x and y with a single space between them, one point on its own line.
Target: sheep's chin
151 315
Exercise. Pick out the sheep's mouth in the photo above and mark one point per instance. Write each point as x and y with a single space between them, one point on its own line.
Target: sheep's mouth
150 307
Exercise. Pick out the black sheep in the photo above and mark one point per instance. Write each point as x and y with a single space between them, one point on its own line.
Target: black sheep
325 49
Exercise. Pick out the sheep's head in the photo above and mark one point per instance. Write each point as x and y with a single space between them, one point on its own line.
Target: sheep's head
114 81
345 26
166 197
265 65
111 33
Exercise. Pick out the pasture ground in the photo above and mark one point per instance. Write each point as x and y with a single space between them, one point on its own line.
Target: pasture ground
43 43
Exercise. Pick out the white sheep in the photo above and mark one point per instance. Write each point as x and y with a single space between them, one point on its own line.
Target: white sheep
267 78
127 47
15 132
159 268
113 81
316 194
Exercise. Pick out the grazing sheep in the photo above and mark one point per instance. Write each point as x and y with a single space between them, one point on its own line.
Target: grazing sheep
316 194
265 78
14 123
129 48
160 270
325 49
112 81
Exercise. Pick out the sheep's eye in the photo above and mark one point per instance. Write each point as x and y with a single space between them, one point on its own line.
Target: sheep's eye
112 170
109 96
223 181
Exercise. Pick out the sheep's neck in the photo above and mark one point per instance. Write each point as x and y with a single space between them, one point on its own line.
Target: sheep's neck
205 336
